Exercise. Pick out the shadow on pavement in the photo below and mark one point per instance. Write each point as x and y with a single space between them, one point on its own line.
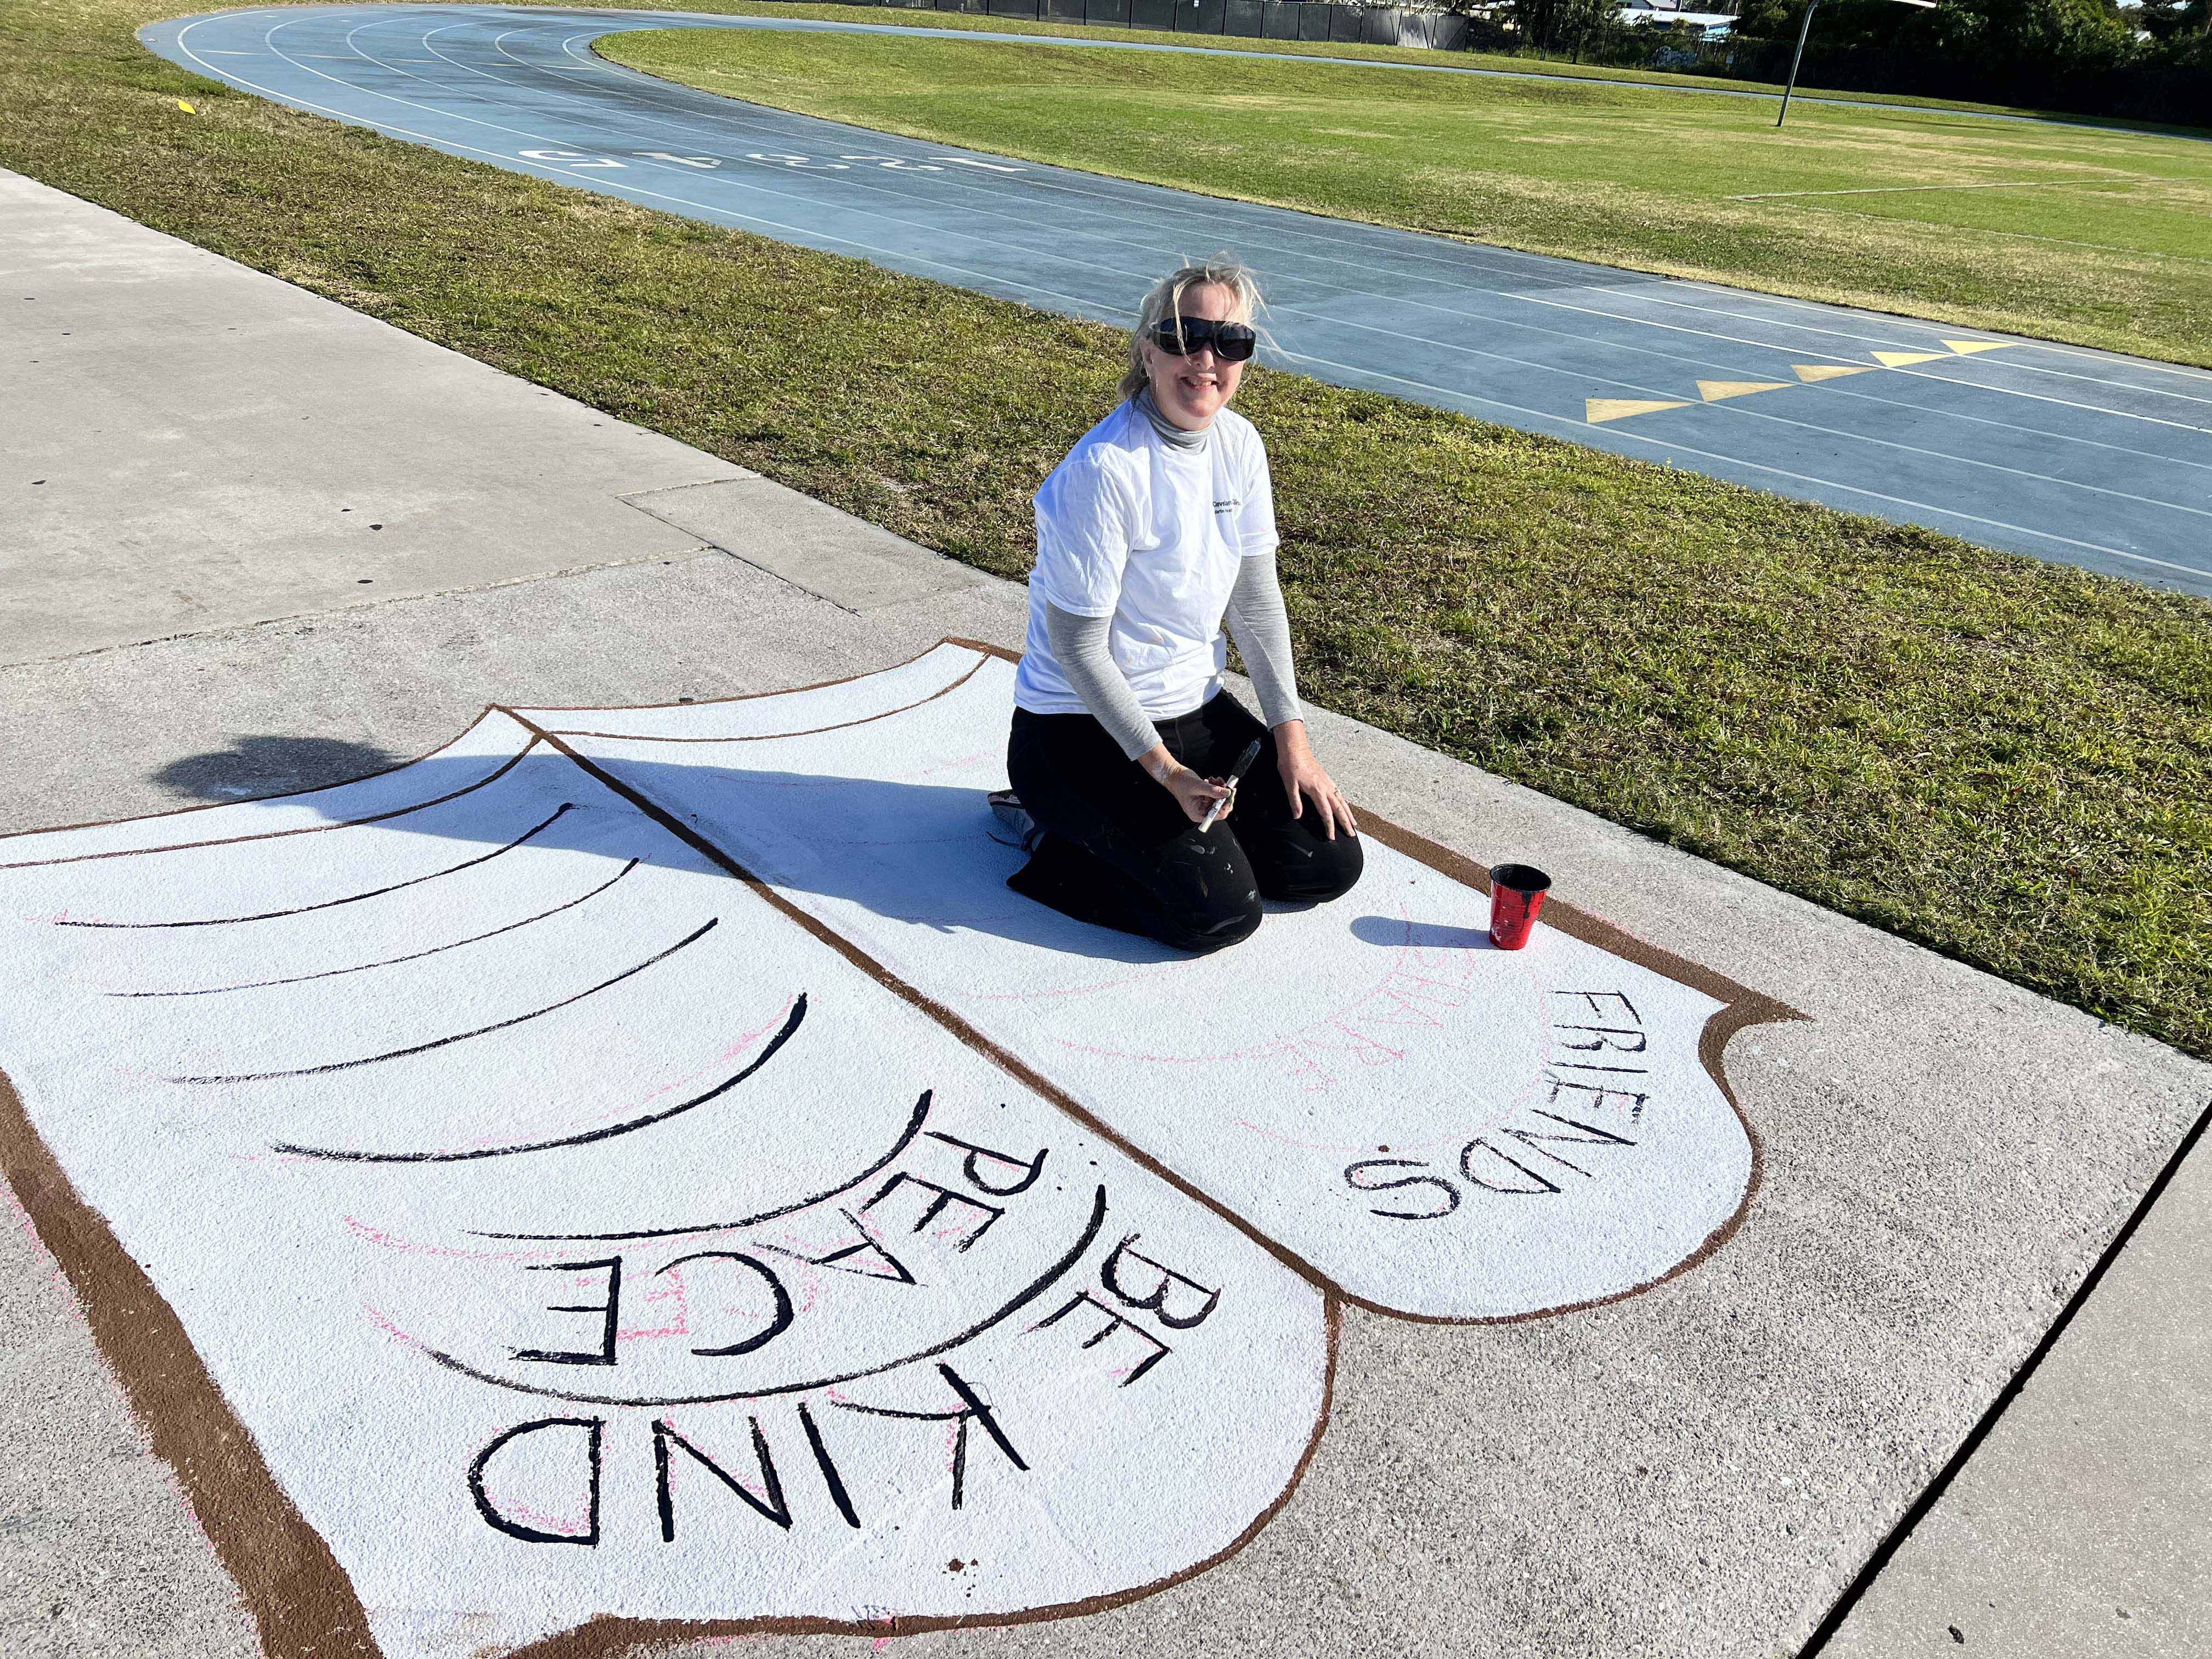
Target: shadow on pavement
273 766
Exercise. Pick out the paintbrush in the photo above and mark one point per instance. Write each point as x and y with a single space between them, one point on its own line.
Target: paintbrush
1236 776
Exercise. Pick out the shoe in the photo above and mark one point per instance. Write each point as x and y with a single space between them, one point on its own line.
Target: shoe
1013 826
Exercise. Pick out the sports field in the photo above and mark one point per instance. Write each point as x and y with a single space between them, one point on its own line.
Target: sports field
2099 236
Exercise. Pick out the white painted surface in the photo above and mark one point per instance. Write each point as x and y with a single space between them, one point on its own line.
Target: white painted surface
490 1007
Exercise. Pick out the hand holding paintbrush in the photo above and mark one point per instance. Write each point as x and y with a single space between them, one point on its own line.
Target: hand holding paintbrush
1236 776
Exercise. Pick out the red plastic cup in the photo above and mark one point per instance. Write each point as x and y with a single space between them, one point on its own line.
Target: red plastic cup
1516 894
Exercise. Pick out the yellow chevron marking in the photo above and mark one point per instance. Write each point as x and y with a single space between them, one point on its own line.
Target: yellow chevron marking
1809 372
1899 359
1597 410
1968 347
1713 391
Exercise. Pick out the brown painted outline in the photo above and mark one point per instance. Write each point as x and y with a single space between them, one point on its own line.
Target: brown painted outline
300 1599
1738 1007
303 1601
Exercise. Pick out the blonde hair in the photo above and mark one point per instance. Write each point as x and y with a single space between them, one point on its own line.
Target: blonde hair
1165 301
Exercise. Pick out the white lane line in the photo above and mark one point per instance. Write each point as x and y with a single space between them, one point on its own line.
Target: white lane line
1012 214
990 191
1735 407
1915 373
1276 220
2197 375
2147 365
1860 391
1921 509
591 171
1047 299
910 31
1932 410
1933 110
744 181
1117 230
743 178
1892 344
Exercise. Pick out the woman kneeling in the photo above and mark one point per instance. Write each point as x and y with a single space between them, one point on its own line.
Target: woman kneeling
1159 524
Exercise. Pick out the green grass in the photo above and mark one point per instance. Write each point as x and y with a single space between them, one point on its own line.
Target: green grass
2008 761
1507 63
2095 236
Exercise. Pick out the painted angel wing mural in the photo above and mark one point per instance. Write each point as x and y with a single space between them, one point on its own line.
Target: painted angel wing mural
643 1165
583 1238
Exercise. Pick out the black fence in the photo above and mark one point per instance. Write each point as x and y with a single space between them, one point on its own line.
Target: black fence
1248 19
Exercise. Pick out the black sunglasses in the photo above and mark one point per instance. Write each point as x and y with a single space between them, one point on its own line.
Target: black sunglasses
1231 342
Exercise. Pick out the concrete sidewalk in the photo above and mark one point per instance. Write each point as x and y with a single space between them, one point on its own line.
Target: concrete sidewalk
1698 1470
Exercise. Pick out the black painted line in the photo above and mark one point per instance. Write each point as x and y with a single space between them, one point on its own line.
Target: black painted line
331 904
389 962
980 1411
458 1036
953 1416
1825 1631
790 1025
913 1123
827 1465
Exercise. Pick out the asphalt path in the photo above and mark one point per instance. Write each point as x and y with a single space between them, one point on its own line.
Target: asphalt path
2087 457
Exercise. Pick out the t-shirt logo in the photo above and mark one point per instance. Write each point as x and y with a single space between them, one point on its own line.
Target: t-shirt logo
1228 506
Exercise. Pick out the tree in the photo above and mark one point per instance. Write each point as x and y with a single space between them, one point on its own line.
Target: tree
2174 20
1579 27
2001 38
2038 36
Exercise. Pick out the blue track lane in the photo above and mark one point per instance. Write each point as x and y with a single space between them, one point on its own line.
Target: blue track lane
2069 455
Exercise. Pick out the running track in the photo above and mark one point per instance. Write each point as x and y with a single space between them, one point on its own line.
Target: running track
2087 457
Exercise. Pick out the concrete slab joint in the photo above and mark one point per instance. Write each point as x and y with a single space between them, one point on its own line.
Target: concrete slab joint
810 545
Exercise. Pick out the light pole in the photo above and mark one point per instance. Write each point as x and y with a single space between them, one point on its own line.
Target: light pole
1798 57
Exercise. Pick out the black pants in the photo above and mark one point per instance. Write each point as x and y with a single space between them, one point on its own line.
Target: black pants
1118 850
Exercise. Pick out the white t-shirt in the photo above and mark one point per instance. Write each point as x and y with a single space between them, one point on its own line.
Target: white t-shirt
1132 527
